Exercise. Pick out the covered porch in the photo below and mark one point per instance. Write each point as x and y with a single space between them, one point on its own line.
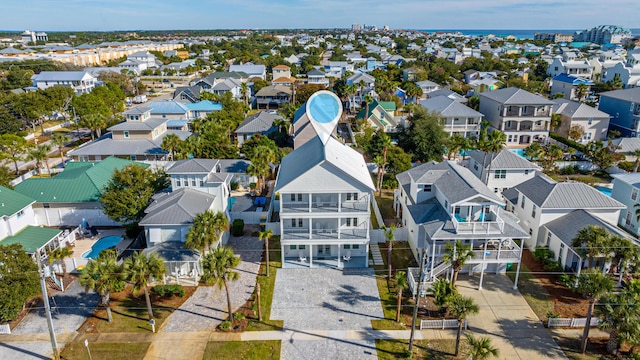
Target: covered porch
327 255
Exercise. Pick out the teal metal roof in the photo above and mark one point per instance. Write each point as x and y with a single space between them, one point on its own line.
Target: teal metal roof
31 238
79 182
11 201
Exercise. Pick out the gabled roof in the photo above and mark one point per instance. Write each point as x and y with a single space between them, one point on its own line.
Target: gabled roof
106 146
356 78
145 125
204 105
61 76
11 201
193 166
316 72
576 110
567 227
142 54
448 93
167 107
455 182
515 96
283 67
632 94
179 207
79 182
12 51
548 194
626 145
448 107
227 75
258 123
274 90
138 110
31 238
632 179
308 168
226 85
566 78
250 69
504 159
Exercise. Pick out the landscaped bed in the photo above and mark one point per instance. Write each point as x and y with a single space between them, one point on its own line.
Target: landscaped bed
422 349
105 351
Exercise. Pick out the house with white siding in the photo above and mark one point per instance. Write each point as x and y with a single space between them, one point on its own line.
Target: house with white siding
81 82
507 169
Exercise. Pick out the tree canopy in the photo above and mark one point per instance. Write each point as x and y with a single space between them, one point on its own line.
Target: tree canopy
425 138
19 275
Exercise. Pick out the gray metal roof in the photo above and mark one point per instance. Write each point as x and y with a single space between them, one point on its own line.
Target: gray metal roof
548 194
148 124
173 251
515 96
177 208
448 107
567 227
626 145
632 179
505 159
61 76
234 166
258 123
193 166
274 90
448 93
138 110
106 146
511 195
632 94
576 110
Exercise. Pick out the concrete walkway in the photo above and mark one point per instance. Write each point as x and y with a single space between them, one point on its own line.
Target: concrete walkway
207 307
508 320
375 253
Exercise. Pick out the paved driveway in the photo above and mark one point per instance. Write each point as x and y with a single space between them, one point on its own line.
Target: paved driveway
326 299
508 320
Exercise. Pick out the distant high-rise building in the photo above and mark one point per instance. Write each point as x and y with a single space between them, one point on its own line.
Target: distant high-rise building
32 36
554 37
603 34
356 27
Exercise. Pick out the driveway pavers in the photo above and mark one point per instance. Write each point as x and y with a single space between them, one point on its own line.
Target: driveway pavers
325 299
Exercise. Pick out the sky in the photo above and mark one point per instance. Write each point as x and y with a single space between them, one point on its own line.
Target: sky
104 15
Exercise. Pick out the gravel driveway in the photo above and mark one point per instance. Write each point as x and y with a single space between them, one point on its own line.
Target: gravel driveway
207 307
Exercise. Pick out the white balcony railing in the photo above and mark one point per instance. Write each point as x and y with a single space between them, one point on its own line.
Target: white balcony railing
324 206
479 227
327 234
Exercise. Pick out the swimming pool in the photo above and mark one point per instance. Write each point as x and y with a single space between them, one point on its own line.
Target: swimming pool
102 243
519 152
232 200
605 190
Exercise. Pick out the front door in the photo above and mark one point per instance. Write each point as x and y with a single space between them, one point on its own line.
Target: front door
324 250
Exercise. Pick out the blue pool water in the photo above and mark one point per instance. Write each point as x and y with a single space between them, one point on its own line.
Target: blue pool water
605 190
102 243
232 201
520 152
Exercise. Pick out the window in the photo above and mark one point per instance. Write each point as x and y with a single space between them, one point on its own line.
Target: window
20 214
495 190
590 121
530 231
533 211
561 252
126 134
292 247
178 182
199 182
522 202
46 205
634 194
293 197
446 204
299 197
348 221
193 182
427 187
475 166
132 158
500 174
355 246
355 196
526 172
299 222
348 196
346 246
293 222
302 247
548 237
627 220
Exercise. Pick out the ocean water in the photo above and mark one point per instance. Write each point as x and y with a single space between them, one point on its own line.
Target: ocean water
519 34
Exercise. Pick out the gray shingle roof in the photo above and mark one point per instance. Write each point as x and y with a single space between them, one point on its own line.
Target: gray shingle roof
505 159
193 166
177 208
515 96
257 123
566 227
632 94
548 194
448 107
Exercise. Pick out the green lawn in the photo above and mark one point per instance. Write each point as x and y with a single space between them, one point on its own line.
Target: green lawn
534 293
267 283
422 349
233 350
385 204
130 316
106 351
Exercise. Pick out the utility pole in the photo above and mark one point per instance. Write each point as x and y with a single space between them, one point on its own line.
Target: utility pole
415 304
47 308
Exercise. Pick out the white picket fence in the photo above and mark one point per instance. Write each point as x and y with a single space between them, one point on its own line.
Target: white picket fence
378 235
572 322
441 324
5 329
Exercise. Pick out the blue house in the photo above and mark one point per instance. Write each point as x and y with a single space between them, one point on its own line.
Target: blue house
624 108
626 188
567 84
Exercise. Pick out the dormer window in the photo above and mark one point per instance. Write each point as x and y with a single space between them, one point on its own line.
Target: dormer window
125 134
426 187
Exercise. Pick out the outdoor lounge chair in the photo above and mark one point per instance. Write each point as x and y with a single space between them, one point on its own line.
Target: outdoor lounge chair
302 256
347 257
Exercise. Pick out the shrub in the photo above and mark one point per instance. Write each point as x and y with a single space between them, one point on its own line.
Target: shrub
234 185
442 291
238 316
252 186
237 228
626 165
225 325
169 290
542 253
568 142
570 170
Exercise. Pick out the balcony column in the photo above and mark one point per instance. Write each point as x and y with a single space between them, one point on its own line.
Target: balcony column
310 198
484 257
433 257
310 228
339 202
339 263
519 111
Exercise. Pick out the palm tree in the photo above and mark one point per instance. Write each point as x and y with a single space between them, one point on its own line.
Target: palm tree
59 140
481 348
140 270
95 123
368 99
262 157
591 242
266 235
533 151
460 307
389 235
458 254
60 254
206 230
582 90
385 141
401 284
619 314
454 145
494 145
40 154
556 122
592 285
170 143
625 254
104 276
636 153
244 91
218 270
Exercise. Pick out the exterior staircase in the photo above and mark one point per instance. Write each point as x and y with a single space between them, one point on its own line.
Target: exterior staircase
428 277
375 252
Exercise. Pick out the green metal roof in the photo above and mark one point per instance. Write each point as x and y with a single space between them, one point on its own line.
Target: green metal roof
11 201
31 238
79 182
388 105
